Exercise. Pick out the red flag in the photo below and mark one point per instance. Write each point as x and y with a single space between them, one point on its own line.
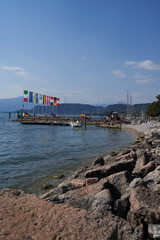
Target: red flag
48 100
58 99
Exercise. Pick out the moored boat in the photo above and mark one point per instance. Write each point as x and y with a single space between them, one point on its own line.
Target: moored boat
75 124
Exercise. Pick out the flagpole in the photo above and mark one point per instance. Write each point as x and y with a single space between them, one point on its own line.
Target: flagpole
46 104
23 101
33 104
28 102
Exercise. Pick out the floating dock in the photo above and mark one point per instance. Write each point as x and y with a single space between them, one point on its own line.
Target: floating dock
45 123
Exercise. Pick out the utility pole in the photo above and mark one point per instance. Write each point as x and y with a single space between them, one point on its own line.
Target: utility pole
64 109
131 112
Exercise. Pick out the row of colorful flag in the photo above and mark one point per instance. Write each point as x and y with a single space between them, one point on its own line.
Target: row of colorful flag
32 97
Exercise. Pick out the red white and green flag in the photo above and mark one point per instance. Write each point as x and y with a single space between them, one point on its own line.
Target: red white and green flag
26 95
25 114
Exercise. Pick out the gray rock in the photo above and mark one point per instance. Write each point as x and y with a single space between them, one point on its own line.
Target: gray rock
102 199
123 152
90 181
142 159
153 178
144 205
119 182
149 167
154 230
129 232
99 161
156 142
121 207
105 171
157 150
81 203
156 135
136 182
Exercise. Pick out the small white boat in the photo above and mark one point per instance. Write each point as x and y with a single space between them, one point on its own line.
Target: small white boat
75 124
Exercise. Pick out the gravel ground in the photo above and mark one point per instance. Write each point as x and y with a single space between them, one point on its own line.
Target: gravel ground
140 128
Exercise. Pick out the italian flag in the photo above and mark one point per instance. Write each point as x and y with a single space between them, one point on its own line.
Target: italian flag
24 114
25 96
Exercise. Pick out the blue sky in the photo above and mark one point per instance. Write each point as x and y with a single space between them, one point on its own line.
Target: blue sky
87 51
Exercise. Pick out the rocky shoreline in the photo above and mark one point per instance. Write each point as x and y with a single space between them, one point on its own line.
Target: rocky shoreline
118 197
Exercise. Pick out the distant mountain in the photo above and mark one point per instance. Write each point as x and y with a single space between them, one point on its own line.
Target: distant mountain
122 108
16 104
102 104
141 107
70 108
77 109
12 104
121 103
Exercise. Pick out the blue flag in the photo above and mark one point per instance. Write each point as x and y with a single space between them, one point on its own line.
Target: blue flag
30 96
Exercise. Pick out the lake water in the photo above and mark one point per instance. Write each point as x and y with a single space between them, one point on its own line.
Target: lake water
32 156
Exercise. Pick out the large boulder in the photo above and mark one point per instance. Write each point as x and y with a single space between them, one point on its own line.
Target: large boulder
156 135
102 200
98 161
121 206
142 159
144 205
90 181
153 178
141 153
105 171
25 216
118 183
154 231
156 142
133 184
77 183
149 167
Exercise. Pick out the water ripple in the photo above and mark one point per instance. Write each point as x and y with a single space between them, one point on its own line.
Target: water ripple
29 155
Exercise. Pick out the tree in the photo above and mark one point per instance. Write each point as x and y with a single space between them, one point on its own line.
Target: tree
158 97
153 109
